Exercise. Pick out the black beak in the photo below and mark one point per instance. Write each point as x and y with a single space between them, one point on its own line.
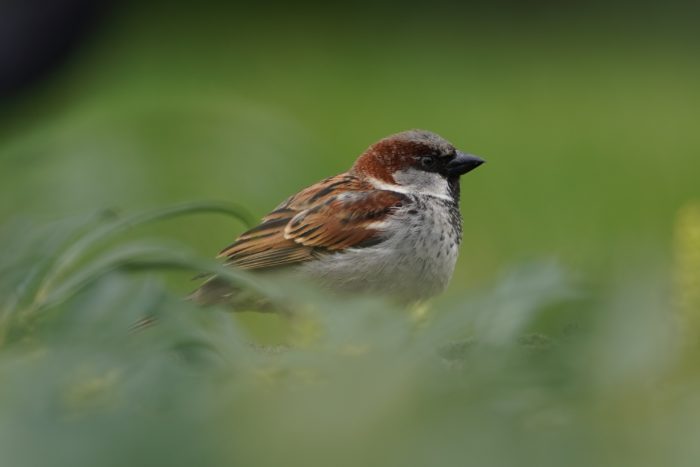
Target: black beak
463 163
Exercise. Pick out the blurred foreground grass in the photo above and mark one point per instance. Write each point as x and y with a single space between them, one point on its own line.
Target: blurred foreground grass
535 369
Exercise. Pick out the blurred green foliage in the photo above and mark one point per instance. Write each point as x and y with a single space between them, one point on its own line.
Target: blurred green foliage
537 369
568 335
588 125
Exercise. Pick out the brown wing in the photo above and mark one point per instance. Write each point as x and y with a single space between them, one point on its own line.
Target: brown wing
335 214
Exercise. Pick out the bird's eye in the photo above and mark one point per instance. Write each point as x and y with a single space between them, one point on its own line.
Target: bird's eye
427 162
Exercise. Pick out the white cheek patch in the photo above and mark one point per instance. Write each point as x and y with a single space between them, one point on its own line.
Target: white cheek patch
380 185
420 182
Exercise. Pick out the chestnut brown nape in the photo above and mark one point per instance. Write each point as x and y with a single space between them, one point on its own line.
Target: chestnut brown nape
383 158
419 142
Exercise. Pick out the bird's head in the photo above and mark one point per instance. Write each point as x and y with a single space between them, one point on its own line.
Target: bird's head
416 161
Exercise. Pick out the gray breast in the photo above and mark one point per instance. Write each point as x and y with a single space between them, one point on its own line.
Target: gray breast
416 259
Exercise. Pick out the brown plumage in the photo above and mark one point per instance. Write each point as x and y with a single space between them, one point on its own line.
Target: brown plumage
389 225
333 215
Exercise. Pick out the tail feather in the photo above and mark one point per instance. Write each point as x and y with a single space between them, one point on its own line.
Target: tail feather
216 291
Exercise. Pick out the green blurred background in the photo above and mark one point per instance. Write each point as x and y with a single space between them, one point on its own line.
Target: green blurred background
586 113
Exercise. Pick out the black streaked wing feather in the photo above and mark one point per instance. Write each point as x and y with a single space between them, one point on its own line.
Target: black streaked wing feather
335 214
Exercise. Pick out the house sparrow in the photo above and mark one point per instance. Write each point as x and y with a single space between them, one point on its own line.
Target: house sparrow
390 225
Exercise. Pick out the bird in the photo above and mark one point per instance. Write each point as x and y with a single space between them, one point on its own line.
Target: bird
389 226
